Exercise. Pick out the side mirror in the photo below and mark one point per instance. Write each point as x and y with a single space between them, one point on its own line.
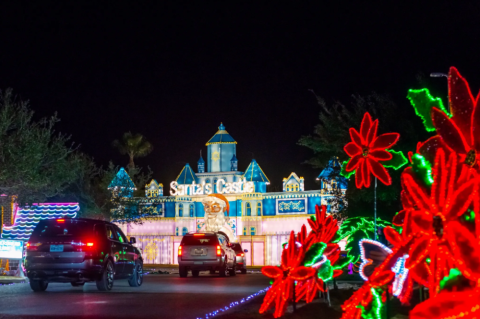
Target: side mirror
133 240
245 250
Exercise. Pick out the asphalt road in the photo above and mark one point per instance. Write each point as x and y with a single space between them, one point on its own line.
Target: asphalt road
160 296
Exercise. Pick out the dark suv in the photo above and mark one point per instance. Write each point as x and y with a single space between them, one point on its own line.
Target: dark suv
80 250
206 251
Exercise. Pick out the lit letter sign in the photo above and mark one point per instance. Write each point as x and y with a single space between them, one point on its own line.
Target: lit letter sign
241 186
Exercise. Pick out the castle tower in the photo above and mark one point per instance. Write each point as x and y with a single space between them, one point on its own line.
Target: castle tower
234 162
221 148
201 164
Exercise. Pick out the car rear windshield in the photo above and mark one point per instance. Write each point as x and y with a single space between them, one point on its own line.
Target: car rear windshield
199 240
237 248
62 230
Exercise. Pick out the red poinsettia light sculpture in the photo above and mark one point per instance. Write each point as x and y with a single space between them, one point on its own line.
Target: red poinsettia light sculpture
308 260
367 151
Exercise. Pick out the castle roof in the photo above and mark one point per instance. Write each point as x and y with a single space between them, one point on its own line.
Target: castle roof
187 176
333 171
221 137
254 173
122 179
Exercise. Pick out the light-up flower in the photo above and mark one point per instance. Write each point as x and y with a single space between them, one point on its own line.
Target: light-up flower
432 220
461 132
323 227
450 304
367 150
284 276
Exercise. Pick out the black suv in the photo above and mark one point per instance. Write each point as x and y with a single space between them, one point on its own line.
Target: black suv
80 250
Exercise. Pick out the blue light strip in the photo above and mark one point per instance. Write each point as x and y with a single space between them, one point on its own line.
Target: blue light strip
233 304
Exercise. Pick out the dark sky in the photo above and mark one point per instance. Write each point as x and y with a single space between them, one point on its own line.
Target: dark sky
174 72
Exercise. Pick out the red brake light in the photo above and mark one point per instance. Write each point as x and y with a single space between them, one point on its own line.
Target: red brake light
32 246
241 255
28 244
179 250
60 220
219 251
198 234
89 244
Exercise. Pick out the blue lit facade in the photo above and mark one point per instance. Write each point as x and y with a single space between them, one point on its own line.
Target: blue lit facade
261 221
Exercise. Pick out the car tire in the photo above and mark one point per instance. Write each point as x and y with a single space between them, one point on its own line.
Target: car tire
136 279
195 273
38 285
233 271
183 272
77 284
105 283
244 271
223 270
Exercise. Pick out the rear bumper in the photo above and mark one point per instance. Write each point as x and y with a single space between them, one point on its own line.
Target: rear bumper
201 264
64 272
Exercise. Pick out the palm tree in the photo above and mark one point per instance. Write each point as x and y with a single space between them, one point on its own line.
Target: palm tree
135 145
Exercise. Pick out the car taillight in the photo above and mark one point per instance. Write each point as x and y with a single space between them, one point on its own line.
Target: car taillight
179 250
34 246
219 251
89 244
241 255
60 220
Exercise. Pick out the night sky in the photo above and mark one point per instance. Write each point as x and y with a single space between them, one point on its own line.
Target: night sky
174 72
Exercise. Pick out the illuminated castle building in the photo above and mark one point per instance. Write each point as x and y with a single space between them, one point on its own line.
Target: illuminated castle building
261 221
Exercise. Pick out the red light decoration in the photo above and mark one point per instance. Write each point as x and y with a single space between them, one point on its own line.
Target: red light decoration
323 227
285 275
367 150
450 304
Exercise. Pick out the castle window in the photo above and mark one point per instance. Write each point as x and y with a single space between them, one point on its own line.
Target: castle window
184 231
259 209
176 231
253 231
180 210
248 209
191 210
296 188
244 231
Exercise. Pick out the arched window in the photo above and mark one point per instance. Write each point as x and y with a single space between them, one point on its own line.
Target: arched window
180 210
240 209
253 231
259 209
184 231
244 231
207 181
248 209
296 188
191 210
215 185
176 231
288 188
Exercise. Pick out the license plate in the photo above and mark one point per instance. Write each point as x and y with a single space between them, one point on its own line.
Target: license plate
198 252
56 248
198 262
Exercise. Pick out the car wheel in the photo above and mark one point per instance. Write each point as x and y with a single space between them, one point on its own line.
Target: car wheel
136 279
223 270
244 271
105 283
233 271
195 273
38 285
183 272
77 284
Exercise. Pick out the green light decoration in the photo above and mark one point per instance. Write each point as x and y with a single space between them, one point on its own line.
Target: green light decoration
377 303
470 216
453 279
422 101
344 173
355 229
314 254
398 160
325 272
422 168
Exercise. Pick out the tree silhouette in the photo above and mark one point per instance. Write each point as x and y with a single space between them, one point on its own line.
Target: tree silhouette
134 145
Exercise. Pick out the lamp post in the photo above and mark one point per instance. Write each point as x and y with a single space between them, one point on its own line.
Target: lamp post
441 75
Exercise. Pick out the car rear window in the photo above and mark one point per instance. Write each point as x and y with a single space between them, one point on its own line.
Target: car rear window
199 240
66 229
237 248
